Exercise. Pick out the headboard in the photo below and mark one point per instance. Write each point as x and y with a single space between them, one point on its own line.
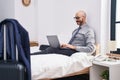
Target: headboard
33 43
97 49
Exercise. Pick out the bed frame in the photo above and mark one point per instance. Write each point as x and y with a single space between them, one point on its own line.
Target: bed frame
33 43
84 71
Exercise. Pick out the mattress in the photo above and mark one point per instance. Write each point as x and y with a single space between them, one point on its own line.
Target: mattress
49 66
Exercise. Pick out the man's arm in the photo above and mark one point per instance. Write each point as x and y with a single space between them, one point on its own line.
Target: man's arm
90 42
90 48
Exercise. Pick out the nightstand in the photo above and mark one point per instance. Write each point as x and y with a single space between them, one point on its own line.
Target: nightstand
98 67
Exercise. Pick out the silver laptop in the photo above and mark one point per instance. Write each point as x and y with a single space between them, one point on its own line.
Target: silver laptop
53 41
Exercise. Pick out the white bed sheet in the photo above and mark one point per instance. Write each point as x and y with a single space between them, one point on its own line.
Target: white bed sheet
34 49
55 65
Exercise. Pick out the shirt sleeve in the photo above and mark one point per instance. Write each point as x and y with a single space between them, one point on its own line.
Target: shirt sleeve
90 43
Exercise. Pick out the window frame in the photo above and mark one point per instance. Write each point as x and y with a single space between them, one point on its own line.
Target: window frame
113 24
113 20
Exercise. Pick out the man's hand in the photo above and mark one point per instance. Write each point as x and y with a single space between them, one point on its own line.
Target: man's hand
68 46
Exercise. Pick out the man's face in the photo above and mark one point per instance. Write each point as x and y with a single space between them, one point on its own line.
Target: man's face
80 18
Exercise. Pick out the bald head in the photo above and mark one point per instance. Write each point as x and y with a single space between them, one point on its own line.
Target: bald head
80 17
81 13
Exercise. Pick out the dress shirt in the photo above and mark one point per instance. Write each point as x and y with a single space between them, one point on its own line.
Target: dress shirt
84 40
75 33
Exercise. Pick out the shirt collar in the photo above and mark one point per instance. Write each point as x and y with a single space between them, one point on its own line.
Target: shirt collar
82 26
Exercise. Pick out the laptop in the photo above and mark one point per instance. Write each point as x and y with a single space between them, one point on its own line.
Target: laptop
53 41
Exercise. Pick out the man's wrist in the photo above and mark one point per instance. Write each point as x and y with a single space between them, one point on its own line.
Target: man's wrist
74 47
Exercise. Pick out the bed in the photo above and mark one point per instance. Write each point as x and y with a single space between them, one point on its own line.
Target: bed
52 66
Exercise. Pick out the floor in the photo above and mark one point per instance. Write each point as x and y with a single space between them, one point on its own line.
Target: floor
78 77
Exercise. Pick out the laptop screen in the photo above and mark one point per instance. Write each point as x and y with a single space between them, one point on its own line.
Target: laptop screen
53 41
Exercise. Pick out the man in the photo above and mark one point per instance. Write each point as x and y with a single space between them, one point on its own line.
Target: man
83 39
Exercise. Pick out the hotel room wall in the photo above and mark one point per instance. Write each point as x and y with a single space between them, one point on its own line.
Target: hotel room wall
45 17
105 42
25 15
56 17
6 9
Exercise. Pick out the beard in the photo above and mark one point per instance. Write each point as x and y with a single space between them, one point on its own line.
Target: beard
80 22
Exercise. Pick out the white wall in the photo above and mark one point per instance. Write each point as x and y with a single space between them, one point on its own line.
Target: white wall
105 26
6 9
44 17
27 17
56 17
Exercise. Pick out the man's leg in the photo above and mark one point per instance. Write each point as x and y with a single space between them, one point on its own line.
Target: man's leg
43 47
67 52
51 50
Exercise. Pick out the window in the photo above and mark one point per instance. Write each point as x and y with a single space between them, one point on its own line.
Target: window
115 22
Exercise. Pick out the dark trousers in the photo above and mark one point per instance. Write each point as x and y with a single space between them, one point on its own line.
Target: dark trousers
46 49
